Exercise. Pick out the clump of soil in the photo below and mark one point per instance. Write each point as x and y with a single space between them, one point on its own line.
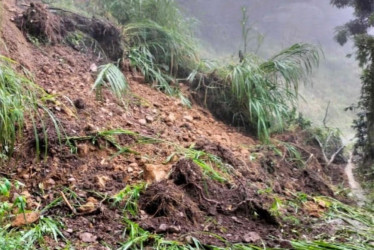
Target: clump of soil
185 202
105 33
38 22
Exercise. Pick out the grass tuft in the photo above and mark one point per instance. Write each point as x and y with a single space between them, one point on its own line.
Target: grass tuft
21 99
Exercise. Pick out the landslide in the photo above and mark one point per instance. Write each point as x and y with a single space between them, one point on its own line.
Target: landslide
245 207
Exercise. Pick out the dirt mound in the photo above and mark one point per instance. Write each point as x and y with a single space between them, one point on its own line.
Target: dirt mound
38 22
188 202
184 202
221 151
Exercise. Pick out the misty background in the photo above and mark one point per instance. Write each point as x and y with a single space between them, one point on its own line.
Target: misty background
283 23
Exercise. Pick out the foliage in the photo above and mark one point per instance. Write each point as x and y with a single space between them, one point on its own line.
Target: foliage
211 165
111 75
20 100
138 238
28 236
358 30
130 195
109 137
260 94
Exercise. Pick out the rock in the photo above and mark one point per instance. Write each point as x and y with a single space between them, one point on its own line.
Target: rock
156 173
134 165
79 103
251 237
142 122
83 150
25 219
47 70
170 118
101 181
89 207
93 68
285 244
49 183
188 118
149 119
130 169
72 180
163 227
87 237
90 127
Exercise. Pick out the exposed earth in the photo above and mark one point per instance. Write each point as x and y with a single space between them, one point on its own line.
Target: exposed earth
248 203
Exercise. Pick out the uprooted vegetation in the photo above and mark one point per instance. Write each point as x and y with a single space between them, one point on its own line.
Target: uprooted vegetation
133 168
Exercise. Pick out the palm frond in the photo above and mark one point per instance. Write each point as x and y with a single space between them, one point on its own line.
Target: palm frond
110 75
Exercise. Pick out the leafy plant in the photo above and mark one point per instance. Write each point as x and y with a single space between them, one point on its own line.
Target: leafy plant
110 75
260 94
5 187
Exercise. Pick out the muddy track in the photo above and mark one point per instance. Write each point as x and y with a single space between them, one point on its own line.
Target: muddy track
356 188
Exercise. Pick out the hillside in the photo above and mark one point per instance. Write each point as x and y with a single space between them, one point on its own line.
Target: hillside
147 171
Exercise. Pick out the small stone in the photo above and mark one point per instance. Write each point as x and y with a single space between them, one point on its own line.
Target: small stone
130 169
72 180
69 230
101 181
25 219
156 173
90 127
47 70
79 103
163 227
142 121
134 165
149 119
87 237
170 118
93 68
83 150
50 182
188 118
174 229
251 237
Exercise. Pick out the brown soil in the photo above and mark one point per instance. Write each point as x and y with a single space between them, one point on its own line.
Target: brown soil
39 23
185 204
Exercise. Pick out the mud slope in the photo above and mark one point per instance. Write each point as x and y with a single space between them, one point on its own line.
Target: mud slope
181 200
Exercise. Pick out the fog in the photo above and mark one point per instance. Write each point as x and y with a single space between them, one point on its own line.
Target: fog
284 22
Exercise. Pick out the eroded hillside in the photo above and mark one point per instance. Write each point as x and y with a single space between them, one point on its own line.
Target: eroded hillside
148 171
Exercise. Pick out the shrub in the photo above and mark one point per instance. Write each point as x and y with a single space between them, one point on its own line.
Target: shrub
260 94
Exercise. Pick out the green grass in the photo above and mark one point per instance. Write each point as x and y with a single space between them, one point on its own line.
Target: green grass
139 239
29 236
21 102
129 196
260 94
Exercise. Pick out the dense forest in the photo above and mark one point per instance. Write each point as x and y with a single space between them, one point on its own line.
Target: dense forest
200 124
